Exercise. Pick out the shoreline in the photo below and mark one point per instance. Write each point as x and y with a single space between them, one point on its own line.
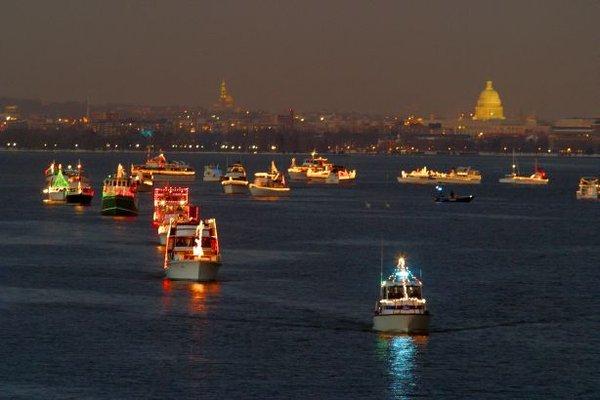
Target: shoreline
483 154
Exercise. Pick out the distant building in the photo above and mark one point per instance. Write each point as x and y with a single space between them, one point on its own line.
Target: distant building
576 135
286 121
225 101
489 105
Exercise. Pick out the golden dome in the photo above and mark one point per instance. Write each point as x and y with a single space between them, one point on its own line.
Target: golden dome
489 105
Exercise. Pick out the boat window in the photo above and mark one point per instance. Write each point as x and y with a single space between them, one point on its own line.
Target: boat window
394 292
413 291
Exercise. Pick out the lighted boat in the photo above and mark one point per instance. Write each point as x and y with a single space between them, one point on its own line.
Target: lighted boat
341 174
458 175
589 188
269 184
171 204
192 251
235 180
299 172
161 170
57 186
420 176
212 173
143 180
401 307
80 190
539 176
119 194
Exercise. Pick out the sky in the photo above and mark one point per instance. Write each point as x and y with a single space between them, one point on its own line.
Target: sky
376 56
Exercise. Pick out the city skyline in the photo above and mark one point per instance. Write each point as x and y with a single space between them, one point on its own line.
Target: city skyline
380 57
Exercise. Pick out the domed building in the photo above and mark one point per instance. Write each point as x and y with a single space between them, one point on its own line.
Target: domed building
489 105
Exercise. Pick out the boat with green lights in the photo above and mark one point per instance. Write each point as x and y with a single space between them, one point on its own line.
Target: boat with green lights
57 185
119 194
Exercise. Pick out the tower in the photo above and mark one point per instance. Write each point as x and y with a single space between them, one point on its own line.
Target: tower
225 99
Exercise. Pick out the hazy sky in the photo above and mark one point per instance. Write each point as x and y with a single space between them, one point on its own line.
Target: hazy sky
375 56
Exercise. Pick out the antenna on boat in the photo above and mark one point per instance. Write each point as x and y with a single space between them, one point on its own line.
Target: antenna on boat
381 261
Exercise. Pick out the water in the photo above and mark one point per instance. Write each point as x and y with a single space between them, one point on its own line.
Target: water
511 280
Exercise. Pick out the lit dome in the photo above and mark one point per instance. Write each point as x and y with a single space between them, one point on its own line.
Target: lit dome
489 105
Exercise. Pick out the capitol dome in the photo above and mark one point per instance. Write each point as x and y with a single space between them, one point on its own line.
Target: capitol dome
489 105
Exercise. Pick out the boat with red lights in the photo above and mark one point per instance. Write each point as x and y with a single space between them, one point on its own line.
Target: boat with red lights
539 176
401 307
119 194
192 251
171 205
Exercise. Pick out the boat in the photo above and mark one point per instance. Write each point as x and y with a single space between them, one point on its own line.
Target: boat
342 174
458 175
80 190
420 176
539 176
119 194
401 307
235 181
461 175
269 184
57 186
171 204
159 169
299 172
441 197
192 251
589 188
143 181
212 173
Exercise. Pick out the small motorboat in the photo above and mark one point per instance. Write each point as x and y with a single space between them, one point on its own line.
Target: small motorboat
441 197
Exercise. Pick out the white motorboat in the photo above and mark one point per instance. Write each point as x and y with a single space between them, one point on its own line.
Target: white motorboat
589 188
420 176
269 184
235 181
299 172
539 176
192 251
401 307
212 173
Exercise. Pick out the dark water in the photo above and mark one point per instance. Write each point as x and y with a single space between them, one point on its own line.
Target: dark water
512 280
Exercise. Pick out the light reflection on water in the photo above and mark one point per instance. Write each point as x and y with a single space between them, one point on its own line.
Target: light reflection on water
399 353
197 295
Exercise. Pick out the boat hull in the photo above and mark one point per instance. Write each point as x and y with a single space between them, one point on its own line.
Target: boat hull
212 178
258 191
458 199
525 181
402 323
158 177
297 175
80 198
56 197
419 181
119 205
201 271
235 187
